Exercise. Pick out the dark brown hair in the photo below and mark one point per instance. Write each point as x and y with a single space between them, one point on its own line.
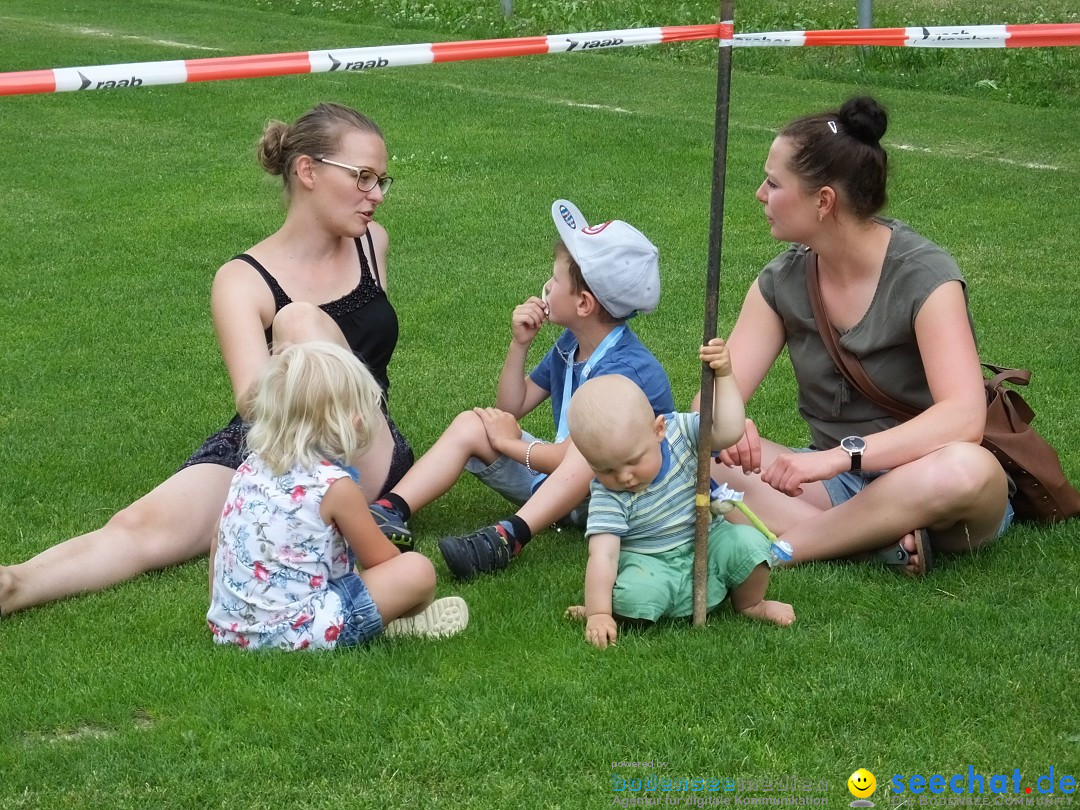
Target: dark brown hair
842 148
578 283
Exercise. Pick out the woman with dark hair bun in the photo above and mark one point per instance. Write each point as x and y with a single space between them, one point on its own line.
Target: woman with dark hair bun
320 276
868 485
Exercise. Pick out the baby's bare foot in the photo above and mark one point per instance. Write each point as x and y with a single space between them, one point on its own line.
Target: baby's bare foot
576 612
780 613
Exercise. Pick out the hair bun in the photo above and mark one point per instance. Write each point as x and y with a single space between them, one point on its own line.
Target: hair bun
863 118
271 149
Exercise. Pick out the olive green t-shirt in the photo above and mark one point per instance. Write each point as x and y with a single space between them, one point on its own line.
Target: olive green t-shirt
883 341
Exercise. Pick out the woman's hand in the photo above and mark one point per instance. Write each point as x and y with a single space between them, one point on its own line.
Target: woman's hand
501 427
790 471
745 453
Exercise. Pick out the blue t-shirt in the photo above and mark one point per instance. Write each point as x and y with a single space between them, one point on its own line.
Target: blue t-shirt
628 357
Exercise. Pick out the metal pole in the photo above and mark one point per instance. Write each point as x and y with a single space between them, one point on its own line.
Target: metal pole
712 296
866 13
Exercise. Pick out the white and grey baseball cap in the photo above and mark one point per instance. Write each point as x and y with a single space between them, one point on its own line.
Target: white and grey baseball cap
619 264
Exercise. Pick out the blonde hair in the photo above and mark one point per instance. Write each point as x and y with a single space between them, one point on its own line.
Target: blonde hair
314 401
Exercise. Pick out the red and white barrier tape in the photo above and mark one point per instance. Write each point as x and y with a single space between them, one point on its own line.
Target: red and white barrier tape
139 74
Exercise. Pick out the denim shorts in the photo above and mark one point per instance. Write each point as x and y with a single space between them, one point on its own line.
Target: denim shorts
847 484
359 611
516 482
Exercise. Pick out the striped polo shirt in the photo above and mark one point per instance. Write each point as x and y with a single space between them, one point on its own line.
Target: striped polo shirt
662 516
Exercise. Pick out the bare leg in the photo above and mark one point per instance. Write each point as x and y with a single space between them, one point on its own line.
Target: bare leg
749 599
564 489
401 586
436 472
168 525
175 521
958 492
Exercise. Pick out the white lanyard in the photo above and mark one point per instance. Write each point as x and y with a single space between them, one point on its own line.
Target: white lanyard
568 381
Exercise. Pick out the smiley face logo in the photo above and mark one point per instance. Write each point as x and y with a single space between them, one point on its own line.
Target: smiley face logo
862 784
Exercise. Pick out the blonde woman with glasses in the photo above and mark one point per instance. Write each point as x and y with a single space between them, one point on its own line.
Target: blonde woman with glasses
320 276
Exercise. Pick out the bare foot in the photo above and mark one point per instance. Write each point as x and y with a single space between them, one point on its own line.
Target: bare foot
576 612
780 613
913 567
915 546
7 586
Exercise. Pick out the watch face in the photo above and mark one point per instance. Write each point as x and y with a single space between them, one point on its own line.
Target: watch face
853 444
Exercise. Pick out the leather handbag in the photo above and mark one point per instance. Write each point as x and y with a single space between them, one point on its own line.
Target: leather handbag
1038 488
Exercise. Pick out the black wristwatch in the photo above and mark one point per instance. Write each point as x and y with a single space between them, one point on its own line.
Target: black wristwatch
854 446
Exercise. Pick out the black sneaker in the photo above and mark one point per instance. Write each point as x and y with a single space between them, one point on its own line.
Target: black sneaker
392 526
481 552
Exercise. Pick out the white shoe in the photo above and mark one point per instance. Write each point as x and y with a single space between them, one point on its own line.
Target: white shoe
443 617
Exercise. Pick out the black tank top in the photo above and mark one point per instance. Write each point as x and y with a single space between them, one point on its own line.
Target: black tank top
365 315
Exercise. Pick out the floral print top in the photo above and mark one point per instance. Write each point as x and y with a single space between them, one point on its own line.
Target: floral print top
275 559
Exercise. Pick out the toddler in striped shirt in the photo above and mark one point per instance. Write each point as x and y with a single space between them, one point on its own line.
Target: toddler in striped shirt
642 508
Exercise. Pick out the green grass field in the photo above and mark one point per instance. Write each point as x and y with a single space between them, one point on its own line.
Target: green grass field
119 206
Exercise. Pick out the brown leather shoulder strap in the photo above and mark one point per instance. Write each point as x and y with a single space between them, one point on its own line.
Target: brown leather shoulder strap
846 363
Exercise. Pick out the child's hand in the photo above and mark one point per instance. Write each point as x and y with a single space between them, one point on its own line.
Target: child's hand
717 356
501 427
600 630
527 320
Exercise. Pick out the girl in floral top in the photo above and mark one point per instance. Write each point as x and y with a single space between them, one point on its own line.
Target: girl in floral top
295 520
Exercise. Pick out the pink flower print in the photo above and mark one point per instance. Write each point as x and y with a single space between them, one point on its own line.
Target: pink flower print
244 468
300 621
292 554
297 494
333 632
261 573
242 641
316 582
228 510
303 645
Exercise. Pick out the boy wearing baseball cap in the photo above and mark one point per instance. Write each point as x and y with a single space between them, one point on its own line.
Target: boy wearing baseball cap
602 276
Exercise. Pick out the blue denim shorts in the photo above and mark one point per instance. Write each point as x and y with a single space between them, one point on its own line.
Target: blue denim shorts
847 484
361 615
511 479
516 482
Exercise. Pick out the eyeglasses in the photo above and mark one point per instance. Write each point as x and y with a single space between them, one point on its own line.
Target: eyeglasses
366 179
